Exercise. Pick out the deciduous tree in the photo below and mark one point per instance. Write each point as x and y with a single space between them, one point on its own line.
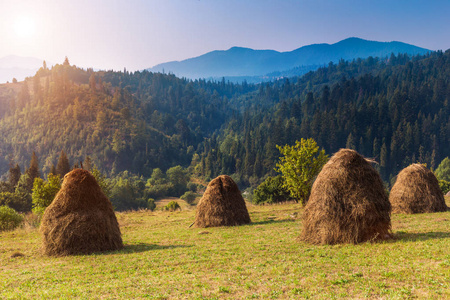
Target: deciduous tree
299 166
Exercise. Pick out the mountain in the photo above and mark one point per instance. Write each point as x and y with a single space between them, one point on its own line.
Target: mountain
244 62
18 67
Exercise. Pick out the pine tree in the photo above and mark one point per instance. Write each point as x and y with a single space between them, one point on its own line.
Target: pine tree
92 83
33 170
63 165
53 170
350 142
14 175
66 62
87 164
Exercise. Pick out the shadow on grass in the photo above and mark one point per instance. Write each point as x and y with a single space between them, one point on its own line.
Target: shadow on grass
142 247
422 236
271 222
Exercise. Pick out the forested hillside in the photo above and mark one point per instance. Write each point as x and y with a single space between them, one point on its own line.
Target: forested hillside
135 122
398 112
395 110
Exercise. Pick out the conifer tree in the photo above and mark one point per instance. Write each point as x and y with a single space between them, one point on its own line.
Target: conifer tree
87 164
63 165
66 62
14 175
92 83
53 170
33 170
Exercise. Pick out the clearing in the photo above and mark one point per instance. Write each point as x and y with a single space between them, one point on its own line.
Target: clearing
164 259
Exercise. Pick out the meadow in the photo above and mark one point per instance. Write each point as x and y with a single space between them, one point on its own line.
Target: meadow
165 259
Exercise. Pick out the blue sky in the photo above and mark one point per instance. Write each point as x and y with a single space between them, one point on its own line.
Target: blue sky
137 34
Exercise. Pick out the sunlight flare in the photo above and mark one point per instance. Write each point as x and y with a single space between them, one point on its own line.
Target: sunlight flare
24 27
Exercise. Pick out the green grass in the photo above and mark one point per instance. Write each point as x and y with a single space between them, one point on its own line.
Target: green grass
164 259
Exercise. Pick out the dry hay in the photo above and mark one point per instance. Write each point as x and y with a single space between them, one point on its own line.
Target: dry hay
221 205
416 190
81 219
348 203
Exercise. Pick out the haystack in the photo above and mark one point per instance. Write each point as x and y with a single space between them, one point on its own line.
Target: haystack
347 204
416 190
81 219
221 205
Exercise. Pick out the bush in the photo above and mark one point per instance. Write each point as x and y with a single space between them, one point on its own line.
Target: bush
151 204
193 187
172 206
159 190
443 170
9 218
128 193
271 191
445 186
44 192
189 197
17 201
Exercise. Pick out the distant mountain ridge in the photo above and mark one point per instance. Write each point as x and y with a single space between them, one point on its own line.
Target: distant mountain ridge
13 66
242 62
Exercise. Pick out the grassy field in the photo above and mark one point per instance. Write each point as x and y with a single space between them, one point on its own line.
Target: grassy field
164 259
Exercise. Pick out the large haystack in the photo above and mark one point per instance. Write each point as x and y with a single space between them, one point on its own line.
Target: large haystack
80 219
348 203
416 190
221 205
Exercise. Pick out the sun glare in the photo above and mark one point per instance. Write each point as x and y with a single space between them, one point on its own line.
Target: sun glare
24 27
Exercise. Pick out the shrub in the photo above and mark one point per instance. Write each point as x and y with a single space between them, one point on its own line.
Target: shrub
151 204
172 206
271 191
17 201
193 187
443 170
159 190
9 218
445 186
44 192
189 197
126 194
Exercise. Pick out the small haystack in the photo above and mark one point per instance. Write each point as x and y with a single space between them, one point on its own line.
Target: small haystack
221 205
348 203
81 219
416 190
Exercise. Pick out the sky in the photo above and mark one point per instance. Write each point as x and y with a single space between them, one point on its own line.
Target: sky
138 34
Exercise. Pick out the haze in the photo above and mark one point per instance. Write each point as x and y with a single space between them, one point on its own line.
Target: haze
140 34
